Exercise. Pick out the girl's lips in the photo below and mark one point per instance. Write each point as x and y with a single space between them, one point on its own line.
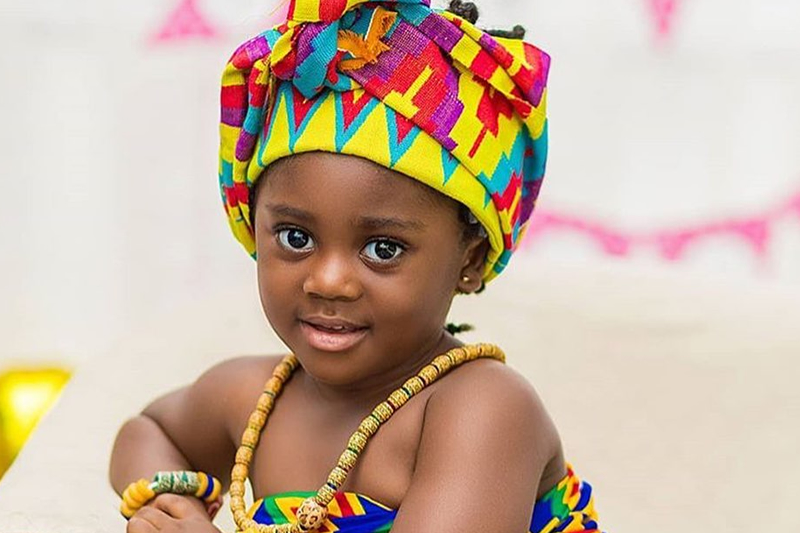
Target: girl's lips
330 340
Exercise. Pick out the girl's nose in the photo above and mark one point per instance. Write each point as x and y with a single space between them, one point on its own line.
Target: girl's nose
332 277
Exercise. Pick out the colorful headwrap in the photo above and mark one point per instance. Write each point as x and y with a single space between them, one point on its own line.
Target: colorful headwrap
417 90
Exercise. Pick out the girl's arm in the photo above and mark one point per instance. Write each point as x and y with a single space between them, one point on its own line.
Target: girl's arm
192 428
142 448
485 443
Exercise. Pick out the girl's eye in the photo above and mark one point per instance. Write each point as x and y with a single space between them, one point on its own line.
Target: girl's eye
383 250
295 239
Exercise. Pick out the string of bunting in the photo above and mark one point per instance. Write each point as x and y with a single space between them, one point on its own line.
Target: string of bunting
187 21
755 230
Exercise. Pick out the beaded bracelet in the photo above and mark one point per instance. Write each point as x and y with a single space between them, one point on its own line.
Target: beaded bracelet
199 484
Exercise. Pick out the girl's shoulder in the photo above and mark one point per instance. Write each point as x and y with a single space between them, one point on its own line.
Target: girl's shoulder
237 382
221 399
487 440
490 385
249 368
491 403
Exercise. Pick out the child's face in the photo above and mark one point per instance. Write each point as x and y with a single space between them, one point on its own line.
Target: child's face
357 265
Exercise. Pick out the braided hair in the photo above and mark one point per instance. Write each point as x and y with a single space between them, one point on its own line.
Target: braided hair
469 12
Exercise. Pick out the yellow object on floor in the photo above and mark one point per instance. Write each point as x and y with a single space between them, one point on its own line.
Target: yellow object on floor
25 395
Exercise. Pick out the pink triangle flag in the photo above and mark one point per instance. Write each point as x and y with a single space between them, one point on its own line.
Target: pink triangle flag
663 12
185 22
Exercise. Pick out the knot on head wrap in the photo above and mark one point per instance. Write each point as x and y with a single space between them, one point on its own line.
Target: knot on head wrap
417 90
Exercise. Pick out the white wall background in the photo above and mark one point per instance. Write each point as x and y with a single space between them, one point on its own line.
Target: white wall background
112 231
109 149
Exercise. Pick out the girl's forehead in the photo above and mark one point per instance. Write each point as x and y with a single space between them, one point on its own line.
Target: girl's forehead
348 180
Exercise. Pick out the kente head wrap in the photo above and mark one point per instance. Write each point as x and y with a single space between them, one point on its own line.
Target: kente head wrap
415 89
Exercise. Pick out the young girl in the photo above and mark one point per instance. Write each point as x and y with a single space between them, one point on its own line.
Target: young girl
377 158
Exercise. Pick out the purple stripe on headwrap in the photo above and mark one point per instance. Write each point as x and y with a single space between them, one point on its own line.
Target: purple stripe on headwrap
406 39
530 191
257 48
442 32
305 43
233 116
245 145
387 64
447 114
537 90
489 43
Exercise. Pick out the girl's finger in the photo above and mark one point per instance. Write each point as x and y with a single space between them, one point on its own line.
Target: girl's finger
139 525
147 520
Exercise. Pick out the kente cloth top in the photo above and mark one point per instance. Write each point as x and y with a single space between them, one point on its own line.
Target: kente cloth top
412 88
567 507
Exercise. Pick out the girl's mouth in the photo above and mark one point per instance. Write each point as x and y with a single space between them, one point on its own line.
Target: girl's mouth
332 336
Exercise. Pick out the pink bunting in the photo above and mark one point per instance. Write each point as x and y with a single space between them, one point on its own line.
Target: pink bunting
671 244
793 205
663 12
612 242
185 22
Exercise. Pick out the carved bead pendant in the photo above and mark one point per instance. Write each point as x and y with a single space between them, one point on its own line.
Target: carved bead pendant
311 515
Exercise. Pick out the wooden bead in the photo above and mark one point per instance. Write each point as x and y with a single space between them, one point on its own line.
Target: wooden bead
141 491
237 489
325 494
383 411
257 420
442 364
414 385
203 481
337 477
368 426
273 386
265 403
398 398
452 358
250 437
357 442
244 455
429 374
239 471
348 460
283 371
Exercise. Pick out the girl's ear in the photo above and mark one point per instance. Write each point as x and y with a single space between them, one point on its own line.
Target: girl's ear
471 279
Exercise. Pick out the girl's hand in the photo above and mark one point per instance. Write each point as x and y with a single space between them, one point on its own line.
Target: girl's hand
171 513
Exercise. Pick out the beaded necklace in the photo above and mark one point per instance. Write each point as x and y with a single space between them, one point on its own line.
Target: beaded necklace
314 510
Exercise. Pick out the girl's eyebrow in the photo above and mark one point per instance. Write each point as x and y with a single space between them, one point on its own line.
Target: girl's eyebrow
379 223
289 211
366 222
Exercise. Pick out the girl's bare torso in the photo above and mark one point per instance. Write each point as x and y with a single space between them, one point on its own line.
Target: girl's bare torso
304 437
